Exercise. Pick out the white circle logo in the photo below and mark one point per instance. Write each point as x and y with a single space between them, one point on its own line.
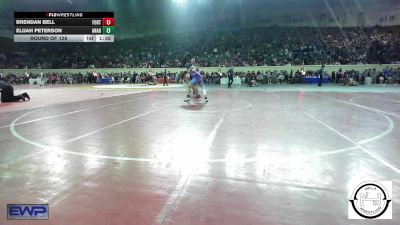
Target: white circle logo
370 200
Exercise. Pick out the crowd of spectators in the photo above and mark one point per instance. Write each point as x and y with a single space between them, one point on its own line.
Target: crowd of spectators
340 77
249 78
272 46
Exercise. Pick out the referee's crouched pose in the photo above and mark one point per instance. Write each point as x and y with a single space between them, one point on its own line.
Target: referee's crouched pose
7 93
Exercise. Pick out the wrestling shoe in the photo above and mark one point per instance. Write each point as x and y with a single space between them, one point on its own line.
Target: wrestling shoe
206 99
25 95
187 100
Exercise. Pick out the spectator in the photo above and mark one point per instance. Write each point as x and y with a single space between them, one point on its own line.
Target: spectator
231 73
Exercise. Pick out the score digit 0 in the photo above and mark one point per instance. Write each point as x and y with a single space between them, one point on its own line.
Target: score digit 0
108 30
108 21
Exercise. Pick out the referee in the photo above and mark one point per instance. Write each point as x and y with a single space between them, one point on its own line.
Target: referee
7 93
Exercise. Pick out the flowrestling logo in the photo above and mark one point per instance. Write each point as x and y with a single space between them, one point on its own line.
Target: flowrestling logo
371 200
27 211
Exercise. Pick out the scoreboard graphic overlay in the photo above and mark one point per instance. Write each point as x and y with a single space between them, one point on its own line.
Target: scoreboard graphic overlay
63 26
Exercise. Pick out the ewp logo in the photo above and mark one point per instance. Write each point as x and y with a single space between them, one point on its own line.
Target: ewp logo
27 211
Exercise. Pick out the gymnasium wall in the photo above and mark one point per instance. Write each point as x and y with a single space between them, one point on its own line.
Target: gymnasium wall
326 13
382 13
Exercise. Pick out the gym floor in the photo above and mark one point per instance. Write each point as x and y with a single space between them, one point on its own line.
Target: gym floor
268 155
